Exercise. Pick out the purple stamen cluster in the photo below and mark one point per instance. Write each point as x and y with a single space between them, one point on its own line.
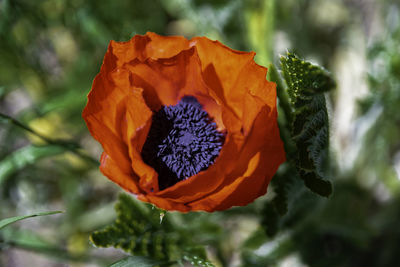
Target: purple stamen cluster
183 140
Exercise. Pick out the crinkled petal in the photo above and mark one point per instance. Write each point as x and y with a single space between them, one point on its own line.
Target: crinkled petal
222 66
103 118
168 80
115 113
111 169
151 45
140 76
251 184
258 101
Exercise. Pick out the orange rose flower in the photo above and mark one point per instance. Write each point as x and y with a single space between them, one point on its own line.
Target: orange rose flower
185 124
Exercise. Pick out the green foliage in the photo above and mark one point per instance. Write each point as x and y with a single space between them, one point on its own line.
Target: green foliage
135 261
7 221
137 230
140 231
274 210
381 149
306 85
281 249
2 91
346 230
304 129
196 255
24 156
270 219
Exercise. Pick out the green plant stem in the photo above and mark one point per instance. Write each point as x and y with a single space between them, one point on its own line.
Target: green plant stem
67 145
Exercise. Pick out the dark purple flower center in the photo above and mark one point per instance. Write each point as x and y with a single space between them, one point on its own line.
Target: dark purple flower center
182 141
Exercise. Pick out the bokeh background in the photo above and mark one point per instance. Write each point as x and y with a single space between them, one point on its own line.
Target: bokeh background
50 51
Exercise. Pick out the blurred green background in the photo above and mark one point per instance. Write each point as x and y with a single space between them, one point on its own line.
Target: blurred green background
50 51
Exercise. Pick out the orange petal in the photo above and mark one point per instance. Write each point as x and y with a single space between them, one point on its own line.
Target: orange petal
115 113
255 165
222 66
206 181
246 184
169 80
151 45
253 102
254 172
258 92
139 76
164 203
112 170
262 136
103 120
165 46
245 189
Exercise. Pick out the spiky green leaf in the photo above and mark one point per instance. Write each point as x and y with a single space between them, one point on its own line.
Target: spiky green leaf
138 231
306 85
143 230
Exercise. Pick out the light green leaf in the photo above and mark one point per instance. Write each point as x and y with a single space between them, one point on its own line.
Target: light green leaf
136 261
7 221
25 156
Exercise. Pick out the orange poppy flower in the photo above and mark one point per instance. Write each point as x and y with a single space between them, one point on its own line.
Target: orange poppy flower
185 124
